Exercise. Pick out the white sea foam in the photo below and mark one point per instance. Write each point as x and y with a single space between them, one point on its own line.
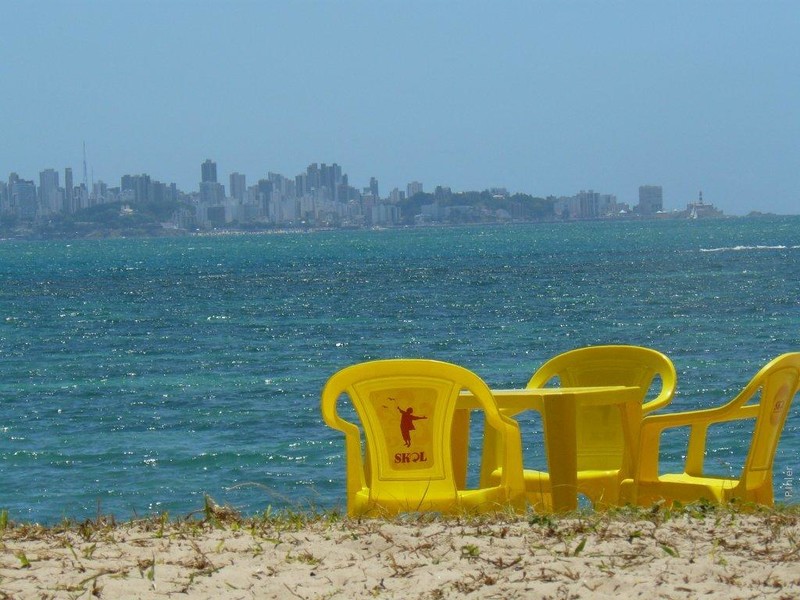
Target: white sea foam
742 248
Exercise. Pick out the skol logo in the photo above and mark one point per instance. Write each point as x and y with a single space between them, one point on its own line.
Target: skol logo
407 418
410 457
782 397
407 426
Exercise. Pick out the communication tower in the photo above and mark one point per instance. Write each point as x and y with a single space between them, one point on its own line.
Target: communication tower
85 176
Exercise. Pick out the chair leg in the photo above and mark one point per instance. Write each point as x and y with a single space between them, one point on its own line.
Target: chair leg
765 494
627 491
459 447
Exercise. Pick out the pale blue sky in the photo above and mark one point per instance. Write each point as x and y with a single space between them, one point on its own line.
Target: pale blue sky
539 97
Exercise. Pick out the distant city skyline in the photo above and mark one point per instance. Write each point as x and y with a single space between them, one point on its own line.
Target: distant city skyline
209 174
649 195
545 98
320 196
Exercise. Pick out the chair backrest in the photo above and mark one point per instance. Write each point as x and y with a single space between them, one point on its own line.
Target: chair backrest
776 385
611 365
599 429
406 409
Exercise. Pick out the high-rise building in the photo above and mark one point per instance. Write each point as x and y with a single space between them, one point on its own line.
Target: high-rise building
138 187
396 196
238 186
587 204
442 192
330 178
300 184
264 195
100 191
212 192
650 199
413 188
49 197
69 201
3 197
312 181
209 171
23 198
373 187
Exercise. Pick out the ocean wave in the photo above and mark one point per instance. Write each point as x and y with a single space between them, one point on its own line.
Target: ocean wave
741 248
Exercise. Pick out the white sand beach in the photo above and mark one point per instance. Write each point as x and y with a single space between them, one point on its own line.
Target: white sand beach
691 553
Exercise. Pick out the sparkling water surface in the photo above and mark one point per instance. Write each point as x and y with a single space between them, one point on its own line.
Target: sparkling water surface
138 375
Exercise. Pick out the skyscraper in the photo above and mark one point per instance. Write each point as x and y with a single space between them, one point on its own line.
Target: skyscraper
23 197
312 178
69 203
330 178
650 199
137 186
209 171
211 192
238 186
49 198
264 195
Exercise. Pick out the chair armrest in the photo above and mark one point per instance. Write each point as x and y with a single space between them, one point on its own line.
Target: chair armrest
355 473
356 477
669 379
510 460
512 475
698 421
660 401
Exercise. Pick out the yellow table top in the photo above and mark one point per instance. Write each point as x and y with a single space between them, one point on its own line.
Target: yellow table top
533 398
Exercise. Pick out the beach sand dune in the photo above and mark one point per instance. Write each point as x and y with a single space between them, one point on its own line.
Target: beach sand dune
708 553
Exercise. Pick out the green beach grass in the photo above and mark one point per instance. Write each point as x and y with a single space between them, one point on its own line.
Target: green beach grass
671 552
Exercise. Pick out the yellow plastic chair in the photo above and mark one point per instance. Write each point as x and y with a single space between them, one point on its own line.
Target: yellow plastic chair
601 440
766 399
406 408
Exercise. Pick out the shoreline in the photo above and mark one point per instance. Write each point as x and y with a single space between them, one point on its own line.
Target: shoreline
173 232
698 550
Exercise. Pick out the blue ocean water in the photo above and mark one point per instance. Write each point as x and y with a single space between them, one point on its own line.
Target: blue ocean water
138 375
